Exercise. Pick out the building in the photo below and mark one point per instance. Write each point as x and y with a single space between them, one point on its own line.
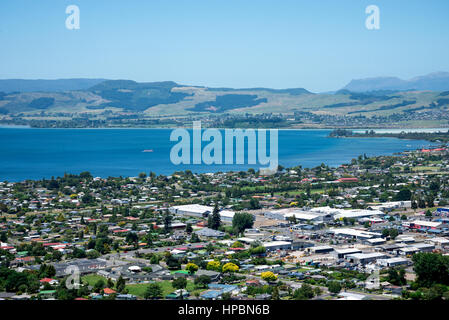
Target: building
364 258
226 216
193 210
424 225
277 245
341 253
210 233
320 249
200 211
300 215
442 211
375 241
354 233
393 262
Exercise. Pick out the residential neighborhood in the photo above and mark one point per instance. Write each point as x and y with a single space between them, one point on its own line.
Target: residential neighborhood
367 230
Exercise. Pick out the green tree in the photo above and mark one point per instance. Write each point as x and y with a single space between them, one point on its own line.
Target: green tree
304 293
242 221
202 281
214 220
180 284
431 268
153 291
334 287
121 284
192 268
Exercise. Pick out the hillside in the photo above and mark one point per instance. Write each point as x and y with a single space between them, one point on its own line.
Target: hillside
438 81
127 101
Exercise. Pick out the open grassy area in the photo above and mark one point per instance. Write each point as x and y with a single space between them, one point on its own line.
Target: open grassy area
91 279
139 288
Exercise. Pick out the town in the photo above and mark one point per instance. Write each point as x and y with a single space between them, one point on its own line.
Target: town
373 229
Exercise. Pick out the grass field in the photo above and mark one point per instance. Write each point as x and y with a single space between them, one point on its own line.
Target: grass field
91 279
139 289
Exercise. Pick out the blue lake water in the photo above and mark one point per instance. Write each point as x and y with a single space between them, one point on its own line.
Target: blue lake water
42 153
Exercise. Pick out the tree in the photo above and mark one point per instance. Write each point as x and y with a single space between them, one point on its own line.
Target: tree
275 293
153 291
110 283
254 204
242 221
202 281
334 287
268 276
121 284
396 277
167 222
214 220
131 237
230 267
172 262
180 284
189 228
99 285
304 293
403 195
192 268
237 244
213 265
431 268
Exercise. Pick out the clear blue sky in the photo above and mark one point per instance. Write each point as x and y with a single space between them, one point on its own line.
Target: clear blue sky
318 45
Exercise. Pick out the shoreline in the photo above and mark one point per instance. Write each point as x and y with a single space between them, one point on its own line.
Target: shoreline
397 130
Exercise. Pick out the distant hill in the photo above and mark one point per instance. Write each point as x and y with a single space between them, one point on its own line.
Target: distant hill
59 85
126 98
438 81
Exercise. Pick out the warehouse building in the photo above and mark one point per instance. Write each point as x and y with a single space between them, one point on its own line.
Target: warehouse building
365 258
277 245
354 233
393 262
343 252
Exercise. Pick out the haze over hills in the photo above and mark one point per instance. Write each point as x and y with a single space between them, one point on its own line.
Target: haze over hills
58 85
437 81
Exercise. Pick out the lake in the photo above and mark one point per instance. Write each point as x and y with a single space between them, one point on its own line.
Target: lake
28 153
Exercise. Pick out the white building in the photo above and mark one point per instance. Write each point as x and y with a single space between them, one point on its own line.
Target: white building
194 210
354 233
364 258
393 262
277 245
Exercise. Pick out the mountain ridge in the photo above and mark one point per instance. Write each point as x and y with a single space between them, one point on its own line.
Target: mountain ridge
435 81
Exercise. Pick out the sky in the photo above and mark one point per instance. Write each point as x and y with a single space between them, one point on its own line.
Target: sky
317 45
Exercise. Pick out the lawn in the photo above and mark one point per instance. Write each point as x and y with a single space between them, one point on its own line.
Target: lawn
139 289
91 279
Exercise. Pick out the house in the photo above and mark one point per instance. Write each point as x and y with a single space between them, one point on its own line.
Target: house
108 291
214 276
210 233
49 281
